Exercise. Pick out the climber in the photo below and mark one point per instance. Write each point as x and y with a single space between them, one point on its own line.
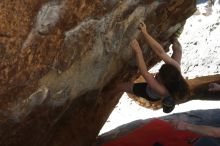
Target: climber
167 85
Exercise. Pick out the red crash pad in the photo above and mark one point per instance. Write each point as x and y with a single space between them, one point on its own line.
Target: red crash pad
155 133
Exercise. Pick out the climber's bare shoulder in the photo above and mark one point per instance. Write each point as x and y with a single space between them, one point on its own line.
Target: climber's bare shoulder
154 84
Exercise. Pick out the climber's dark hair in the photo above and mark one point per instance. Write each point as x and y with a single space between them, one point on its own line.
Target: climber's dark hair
172 79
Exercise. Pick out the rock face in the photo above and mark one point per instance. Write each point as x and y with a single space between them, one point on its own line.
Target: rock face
57 56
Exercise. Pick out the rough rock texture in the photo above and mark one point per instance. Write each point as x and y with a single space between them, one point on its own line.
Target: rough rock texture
57 56
200 117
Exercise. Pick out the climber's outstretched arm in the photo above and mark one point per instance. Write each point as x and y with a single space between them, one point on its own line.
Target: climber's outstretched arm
152 82
157 48
177 50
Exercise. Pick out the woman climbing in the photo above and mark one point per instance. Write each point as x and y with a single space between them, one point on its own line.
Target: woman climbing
167 85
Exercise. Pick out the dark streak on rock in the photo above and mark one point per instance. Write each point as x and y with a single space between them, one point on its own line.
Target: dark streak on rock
4 34
2 50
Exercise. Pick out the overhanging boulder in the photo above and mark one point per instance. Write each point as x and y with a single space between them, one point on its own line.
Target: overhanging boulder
57 56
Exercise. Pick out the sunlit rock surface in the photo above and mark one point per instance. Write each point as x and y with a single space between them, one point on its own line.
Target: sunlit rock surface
57 56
